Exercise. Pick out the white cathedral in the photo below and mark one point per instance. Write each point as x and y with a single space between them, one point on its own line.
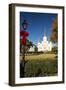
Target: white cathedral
45 45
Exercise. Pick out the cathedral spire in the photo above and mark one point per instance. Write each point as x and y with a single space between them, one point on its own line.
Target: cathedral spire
44 34
44 31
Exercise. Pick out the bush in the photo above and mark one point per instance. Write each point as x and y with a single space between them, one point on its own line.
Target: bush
40 68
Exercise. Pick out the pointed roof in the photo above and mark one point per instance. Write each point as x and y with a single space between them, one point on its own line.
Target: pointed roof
44 34
44 31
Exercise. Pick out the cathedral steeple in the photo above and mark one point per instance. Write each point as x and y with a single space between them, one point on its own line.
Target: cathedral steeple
44 45
44 31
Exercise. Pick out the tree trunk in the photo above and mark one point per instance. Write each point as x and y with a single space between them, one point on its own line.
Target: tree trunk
22 64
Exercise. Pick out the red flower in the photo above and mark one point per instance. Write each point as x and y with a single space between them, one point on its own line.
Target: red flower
24 35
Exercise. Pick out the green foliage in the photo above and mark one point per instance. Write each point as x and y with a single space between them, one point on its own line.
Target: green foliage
28 44
55 49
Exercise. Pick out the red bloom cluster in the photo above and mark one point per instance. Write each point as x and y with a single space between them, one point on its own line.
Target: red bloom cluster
24 35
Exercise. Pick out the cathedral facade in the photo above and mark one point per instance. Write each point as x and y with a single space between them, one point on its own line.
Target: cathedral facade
45 45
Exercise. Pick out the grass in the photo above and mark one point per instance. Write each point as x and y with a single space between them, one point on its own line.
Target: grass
39 57
40 65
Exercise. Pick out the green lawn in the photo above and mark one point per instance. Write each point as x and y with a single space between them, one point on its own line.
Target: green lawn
40 65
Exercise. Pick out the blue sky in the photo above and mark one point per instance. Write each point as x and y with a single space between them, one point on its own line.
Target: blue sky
38 24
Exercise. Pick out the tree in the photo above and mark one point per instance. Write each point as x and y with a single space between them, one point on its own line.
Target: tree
23 34
28 44
54 34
